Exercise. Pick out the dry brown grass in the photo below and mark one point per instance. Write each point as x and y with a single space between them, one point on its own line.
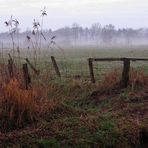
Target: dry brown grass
113 78
138 78
20 107
110 80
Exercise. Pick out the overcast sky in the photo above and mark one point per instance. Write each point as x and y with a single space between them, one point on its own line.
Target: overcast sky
121 13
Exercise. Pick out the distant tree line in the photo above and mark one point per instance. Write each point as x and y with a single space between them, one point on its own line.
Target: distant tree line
95 35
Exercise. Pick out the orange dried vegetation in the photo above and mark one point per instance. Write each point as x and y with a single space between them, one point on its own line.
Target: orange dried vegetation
20 107
113 79
110 80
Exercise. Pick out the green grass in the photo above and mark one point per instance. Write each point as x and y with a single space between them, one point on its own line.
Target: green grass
79 121
74 62
52 143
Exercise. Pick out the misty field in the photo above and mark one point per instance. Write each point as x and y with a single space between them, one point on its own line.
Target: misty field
70 111
73 60
73 86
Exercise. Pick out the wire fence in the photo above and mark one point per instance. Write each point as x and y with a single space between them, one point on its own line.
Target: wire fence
71 64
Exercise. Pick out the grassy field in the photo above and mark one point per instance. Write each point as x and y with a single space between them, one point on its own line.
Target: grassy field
73 61
81 114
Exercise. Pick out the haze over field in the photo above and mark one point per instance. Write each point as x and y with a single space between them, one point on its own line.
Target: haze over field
74 22
74 73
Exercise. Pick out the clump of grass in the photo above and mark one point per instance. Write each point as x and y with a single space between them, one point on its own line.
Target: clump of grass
110 80
113 79
138 78
18 107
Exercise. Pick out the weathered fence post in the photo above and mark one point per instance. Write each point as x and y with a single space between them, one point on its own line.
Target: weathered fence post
9 56
90 64
55 66
10 68
32 67
125 73
27 78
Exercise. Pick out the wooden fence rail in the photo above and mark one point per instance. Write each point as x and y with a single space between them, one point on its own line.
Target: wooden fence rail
126 67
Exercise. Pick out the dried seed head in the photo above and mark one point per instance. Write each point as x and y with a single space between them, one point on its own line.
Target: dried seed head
44 11
53 42
53 37
28 38
7 24
33 32
16 22
36 24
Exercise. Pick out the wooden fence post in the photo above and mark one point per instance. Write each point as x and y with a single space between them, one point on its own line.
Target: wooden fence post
10 68
55 66
9 56
32 67
27 78
90 64
125 73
